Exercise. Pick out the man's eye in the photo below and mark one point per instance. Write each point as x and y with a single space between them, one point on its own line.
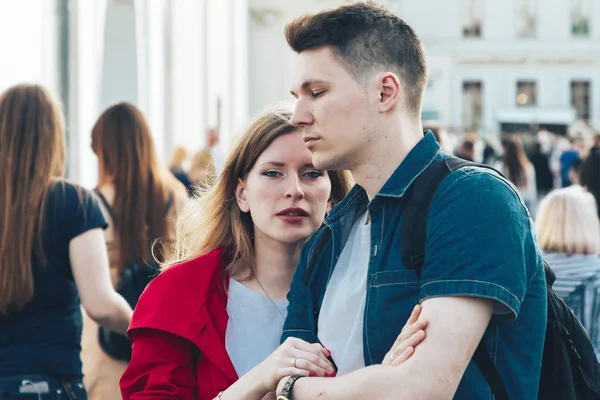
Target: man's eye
317 93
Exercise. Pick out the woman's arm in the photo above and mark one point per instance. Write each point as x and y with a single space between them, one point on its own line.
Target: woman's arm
162 366
89 262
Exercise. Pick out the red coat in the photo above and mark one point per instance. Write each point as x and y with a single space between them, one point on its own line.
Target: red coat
178 332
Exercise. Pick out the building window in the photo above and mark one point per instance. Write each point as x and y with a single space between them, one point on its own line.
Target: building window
526 20
580 17
472 92
471 18
526 93
580 99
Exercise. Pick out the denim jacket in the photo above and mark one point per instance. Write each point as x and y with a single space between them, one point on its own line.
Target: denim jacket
480 243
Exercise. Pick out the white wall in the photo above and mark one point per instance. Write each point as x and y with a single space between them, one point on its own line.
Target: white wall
187 72
86 22
119 72
210 63
27 44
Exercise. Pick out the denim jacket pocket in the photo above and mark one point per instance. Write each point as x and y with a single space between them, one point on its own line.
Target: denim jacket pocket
391 296
398 277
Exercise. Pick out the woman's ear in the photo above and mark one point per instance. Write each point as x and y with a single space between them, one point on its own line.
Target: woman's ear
240 196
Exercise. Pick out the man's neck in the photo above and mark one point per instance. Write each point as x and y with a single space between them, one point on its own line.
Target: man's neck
384 157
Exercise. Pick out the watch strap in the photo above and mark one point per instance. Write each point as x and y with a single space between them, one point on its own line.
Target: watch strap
286 391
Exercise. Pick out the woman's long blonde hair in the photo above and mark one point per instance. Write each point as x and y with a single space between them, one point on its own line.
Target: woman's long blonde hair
32 156
214 220
567 222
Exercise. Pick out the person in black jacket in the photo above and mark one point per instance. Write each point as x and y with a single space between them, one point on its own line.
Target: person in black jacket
543 173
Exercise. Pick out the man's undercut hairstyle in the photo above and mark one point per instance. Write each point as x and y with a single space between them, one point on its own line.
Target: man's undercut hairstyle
363 37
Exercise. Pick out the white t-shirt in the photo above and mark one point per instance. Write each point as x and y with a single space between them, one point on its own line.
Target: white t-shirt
343 309
254 327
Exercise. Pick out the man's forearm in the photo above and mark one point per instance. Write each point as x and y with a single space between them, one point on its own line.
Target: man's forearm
375 382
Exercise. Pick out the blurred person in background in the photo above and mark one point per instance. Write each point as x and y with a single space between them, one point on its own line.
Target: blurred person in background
517 168
489 152
466 150
210 325
544 179
595 144
569 236
53 256
590 175
575 172
203 173
141 200
213 146
177 159
568 156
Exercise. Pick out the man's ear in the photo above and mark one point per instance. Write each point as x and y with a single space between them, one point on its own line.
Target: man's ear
240 196
390 87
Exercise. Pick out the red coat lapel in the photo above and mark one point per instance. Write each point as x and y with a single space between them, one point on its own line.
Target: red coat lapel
211 338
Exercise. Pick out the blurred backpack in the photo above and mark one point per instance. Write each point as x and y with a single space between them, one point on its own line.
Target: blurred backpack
134 279
570 369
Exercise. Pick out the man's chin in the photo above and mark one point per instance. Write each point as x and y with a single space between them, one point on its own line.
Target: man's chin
326 162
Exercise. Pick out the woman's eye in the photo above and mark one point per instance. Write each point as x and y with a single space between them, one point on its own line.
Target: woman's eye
314 174
272 174
317 93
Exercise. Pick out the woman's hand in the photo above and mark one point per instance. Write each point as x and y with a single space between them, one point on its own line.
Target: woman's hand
411 335
294 357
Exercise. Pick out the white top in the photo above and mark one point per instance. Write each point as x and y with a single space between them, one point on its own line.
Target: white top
254 327
343 309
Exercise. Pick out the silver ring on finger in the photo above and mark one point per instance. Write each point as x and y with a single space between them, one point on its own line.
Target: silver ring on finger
294 363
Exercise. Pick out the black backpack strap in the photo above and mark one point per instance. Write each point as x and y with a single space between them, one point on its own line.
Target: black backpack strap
490 372
416 204
415 215
106 205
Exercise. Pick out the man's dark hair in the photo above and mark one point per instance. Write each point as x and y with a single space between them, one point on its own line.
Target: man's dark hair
364 36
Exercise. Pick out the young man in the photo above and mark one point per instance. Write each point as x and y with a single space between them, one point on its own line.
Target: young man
359 85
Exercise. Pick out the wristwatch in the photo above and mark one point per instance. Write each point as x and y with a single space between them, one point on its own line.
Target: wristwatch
286 392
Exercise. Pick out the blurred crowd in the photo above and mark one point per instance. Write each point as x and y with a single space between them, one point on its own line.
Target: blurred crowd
536 163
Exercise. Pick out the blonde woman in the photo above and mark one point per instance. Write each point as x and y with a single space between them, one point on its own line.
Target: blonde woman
569 235
179 156
53 257
210 326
